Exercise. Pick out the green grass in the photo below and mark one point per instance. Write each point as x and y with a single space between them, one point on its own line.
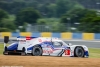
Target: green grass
1 48
93 52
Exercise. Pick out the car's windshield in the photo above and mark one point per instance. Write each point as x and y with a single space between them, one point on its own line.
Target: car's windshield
62 43
57 44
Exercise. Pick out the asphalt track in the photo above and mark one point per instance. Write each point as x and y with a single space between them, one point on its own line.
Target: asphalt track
90 44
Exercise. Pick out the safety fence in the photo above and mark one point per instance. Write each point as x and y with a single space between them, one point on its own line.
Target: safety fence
63 35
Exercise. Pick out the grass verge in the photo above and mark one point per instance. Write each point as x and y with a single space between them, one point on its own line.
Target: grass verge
94 52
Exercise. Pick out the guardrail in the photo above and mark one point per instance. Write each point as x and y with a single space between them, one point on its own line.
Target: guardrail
63 35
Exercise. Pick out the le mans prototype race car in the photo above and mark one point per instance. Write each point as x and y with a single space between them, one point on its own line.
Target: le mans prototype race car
48 46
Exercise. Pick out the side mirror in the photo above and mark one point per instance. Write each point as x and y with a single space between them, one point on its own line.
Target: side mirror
6 39
69 44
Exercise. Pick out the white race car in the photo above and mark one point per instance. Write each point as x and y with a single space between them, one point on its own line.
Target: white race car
48 46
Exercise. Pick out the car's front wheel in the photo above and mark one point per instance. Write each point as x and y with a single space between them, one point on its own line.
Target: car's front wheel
79 51
37 51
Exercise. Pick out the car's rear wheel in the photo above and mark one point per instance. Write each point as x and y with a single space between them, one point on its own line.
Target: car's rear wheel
23 53
5 51
37 51
79 51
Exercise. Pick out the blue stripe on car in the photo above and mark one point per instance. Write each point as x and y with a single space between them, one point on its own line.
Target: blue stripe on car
30 48
25 37
86 53
48 44
13 47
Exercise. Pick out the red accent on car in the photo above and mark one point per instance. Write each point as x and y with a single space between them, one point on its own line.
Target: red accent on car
67 52
28 38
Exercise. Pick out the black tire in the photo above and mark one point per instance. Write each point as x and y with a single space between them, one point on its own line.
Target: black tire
37 51
23 54
79 51
23 51
5 53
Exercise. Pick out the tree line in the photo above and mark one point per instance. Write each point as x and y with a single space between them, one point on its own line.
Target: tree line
14 13
47 8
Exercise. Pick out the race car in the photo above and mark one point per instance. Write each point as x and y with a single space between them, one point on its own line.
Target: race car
40 46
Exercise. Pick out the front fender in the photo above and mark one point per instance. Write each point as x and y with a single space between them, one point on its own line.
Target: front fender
86 51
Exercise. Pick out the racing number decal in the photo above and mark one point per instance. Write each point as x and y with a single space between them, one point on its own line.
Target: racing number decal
67 52
48 50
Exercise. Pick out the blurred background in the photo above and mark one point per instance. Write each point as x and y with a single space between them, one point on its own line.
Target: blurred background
55 16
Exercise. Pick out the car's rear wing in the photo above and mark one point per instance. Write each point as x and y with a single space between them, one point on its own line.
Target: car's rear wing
6 39
25 37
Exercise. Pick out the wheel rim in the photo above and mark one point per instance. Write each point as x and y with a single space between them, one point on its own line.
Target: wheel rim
80 52
37 52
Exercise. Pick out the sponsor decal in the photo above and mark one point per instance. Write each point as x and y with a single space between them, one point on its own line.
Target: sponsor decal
22 40
47 51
